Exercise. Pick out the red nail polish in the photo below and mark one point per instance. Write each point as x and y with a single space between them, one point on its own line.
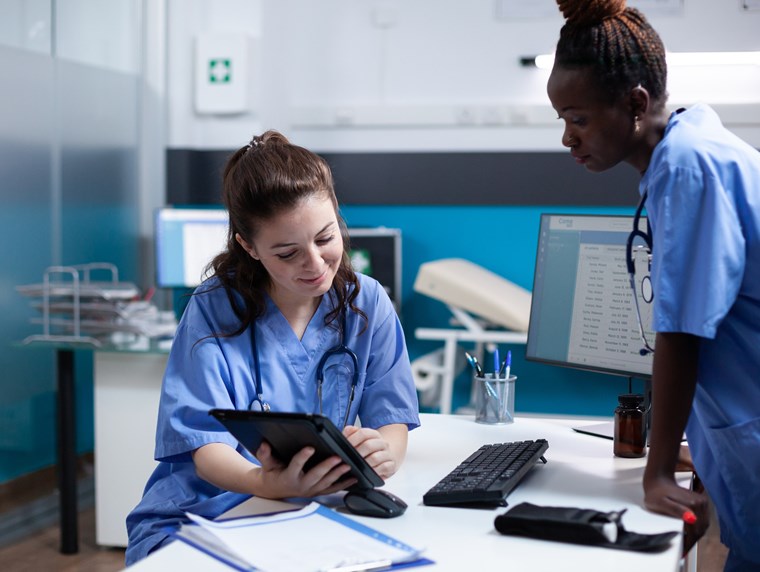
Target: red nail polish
689 517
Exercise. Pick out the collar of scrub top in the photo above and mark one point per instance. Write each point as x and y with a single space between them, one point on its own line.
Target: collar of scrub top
341 348
646 236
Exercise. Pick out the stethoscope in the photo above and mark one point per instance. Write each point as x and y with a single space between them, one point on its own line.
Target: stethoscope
647 293
341 348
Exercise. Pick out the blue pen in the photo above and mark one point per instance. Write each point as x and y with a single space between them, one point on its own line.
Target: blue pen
508 362
496 362
478 369
474 364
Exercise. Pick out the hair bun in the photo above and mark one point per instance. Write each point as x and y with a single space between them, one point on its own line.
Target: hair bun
589 12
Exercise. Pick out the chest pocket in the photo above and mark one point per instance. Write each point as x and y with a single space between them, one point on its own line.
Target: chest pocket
336 389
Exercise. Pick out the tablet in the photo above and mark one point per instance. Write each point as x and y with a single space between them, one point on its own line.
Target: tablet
288 433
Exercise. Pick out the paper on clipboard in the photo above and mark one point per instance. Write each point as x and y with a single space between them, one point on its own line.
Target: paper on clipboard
312 538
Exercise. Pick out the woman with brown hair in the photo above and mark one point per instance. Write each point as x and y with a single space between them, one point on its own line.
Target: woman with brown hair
283 323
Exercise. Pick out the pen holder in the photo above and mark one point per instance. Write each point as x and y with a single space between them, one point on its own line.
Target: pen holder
494 399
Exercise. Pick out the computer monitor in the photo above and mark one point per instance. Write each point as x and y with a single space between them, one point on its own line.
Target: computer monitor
187 239
582 312
376 252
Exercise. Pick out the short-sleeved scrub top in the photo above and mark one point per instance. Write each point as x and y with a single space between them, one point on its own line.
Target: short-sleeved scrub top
206 371
703 186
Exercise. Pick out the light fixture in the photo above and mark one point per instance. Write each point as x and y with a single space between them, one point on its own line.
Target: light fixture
543 61
675 59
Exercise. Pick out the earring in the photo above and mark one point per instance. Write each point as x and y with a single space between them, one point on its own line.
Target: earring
636 125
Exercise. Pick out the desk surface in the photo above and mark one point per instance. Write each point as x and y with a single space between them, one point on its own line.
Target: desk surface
130 345
581 472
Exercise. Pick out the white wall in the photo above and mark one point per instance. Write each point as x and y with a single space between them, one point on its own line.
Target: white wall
186 19
81 36
26 24
338 75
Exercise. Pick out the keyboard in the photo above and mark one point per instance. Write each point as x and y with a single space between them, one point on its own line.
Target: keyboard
488 475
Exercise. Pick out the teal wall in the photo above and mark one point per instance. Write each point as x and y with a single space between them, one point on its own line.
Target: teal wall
502 239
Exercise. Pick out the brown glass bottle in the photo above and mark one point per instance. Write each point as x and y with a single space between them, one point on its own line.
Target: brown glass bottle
630 426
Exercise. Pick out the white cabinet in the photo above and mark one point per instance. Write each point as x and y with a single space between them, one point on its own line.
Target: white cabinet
127 389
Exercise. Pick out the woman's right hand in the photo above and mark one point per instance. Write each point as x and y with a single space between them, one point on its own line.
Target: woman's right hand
276 480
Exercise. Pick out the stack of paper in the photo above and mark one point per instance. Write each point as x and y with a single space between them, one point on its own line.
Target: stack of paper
312 538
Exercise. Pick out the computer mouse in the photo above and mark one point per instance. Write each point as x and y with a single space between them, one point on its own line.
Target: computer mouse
374 502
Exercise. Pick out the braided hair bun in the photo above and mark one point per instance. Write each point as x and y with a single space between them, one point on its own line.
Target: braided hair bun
590 12
617 43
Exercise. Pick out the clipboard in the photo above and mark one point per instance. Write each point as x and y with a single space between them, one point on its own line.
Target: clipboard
288 433
313 537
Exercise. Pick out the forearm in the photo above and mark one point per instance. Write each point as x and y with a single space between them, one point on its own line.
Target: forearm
397 437
674 380
224 467
673 384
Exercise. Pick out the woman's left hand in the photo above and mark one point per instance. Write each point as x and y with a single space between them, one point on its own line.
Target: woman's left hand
375 450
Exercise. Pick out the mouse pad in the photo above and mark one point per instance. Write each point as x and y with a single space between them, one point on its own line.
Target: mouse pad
288 433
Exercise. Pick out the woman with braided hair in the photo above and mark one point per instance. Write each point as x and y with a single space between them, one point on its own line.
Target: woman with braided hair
701 188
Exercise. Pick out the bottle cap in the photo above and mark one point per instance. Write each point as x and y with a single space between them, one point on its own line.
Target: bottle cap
630 399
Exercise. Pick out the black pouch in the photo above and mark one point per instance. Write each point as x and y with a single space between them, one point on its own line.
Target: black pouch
578 526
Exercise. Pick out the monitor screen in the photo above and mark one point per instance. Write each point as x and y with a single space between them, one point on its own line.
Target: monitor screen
187 239
583 314
376 252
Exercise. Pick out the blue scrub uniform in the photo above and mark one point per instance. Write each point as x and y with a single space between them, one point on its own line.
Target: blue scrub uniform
703 204
206 372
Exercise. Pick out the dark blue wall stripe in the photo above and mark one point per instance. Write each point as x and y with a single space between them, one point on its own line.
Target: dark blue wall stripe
194 177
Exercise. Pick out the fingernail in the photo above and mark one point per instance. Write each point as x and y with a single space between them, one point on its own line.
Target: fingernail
689 517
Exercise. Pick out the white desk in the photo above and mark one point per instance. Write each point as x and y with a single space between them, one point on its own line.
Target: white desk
581 472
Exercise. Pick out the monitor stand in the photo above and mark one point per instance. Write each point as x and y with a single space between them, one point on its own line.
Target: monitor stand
605 430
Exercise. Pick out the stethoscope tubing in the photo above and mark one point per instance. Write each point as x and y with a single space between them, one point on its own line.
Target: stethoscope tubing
631 267
341 348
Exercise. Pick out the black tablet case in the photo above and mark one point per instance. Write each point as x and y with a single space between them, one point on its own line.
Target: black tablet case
288 433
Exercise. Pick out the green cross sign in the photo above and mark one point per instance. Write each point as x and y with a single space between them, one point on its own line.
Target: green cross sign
220 70
361 260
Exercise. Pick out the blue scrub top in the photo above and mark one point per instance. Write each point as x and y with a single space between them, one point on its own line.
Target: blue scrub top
703 203
206 372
